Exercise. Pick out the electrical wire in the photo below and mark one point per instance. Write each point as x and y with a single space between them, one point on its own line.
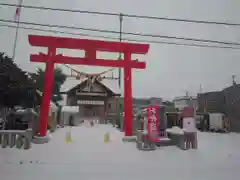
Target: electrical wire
116 32
125 15
125 39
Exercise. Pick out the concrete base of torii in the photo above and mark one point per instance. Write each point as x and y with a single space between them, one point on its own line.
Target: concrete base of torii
41 139
129 139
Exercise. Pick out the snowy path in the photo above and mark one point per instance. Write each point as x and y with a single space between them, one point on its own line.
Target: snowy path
89 158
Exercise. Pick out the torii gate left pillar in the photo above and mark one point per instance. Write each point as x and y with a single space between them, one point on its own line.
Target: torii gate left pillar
90 47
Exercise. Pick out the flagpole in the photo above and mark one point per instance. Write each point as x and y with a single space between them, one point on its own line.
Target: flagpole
17 28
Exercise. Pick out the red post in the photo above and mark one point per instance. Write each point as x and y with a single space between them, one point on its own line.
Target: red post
128 95
47 92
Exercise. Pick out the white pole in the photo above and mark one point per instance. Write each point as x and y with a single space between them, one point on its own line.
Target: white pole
17 28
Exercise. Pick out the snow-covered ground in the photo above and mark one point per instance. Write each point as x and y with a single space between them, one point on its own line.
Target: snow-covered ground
89 158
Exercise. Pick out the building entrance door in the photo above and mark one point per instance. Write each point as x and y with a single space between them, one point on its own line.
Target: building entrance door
88 111
93 111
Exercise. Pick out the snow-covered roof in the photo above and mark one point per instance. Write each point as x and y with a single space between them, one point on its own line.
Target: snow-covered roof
184 98
63 102
70 83
112 84
72 109
175 130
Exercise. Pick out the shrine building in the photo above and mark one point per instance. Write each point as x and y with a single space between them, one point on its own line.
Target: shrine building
99 99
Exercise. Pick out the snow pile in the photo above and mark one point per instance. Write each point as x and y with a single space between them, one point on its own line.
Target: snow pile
88 157
175 130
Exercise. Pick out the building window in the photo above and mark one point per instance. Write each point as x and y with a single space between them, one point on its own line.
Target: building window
109 106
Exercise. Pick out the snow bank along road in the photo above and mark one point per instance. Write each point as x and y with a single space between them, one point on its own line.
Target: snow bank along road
89 158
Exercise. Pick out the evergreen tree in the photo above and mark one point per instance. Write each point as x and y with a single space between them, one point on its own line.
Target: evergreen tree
59 79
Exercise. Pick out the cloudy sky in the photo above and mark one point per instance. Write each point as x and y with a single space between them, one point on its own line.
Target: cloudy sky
171 70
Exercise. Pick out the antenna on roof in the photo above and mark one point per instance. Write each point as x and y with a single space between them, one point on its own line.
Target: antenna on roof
233 80
200 89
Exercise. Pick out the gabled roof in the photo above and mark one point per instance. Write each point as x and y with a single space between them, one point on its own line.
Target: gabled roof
70 83
236 86
111 85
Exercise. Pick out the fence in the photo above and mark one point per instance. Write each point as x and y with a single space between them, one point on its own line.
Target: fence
16 138
3 116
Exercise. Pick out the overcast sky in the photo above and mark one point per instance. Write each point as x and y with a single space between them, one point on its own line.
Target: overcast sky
171 70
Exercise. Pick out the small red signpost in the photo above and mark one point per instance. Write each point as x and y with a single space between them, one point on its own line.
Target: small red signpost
90 47
152 123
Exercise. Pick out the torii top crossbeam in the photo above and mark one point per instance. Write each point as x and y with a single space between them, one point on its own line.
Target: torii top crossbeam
90 47
72 43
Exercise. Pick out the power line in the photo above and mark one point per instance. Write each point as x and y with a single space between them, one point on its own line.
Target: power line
126 33
126 15
63 10
125 39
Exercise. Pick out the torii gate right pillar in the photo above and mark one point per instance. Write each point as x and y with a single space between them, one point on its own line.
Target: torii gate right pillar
127 96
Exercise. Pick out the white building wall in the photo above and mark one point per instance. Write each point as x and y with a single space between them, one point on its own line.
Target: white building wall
180 103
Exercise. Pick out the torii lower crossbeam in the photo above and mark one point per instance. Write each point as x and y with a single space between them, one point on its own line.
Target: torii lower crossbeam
90 47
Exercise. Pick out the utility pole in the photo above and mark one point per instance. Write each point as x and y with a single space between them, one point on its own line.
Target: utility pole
117 120
17 16
120 54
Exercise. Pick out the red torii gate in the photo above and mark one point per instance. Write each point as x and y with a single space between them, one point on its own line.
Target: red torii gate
91 47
